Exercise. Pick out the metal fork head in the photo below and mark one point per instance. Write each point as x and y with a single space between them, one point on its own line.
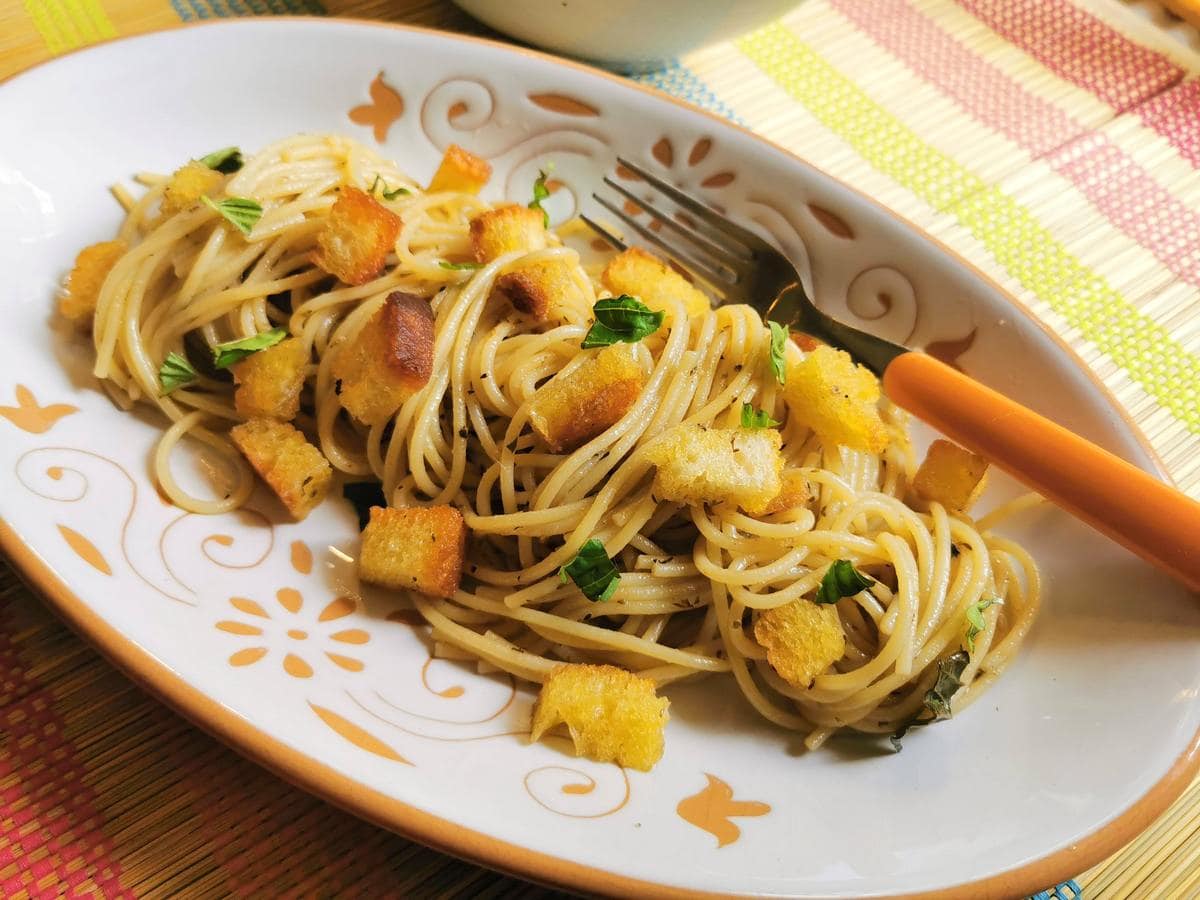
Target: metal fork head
738 263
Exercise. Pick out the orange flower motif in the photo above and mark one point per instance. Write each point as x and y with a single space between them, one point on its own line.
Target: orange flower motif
293 639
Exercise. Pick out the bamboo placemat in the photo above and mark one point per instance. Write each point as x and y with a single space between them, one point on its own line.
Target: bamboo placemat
1055 143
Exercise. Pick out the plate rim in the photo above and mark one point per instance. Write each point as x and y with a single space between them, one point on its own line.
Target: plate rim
430 829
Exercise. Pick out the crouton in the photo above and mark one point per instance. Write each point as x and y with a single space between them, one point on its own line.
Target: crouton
82 288
292 467
507 229
697 464
269 381
612 715
389 360
572 409
539 289
837 399
461 172
359 234
802 639
645 276
416 548
951 476
793 493
189 183
806 342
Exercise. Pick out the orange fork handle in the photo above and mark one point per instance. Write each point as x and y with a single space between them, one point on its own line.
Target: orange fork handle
1155 521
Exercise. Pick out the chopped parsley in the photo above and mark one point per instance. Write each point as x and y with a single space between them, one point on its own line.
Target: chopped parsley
230 352
540 193
778 359
453 266
975 622
756 418
240 212
937 699
385 193
841 580
227 160
621 318
592 571
175 372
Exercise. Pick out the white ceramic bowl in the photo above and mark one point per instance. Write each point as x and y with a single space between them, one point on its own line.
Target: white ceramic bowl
628 34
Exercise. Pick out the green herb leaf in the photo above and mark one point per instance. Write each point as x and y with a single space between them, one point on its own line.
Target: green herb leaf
175 372
362 496
226 160
540 193
239 211
621 318
592 571
937 699
385 193
779 337
756 418
975 622
462 265
230 352
841 580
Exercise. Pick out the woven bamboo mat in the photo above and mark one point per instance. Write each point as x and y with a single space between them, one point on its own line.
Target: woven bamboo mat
1054 143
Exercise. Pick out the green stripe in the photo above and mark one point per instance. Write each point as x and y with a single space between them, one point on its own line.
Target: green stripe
1029 252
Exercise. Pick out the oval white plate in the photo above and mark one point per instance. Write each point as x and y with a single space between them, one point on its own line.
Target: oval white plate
258 630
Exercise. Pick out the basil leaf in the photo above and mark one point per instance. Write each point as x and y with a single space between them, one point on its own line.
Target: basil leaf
540 193
937 699
175 372
239 211
621 318
756 418
975 622
841 580
227 160
592 571
779 337
230 352
462 265
385 193
362 496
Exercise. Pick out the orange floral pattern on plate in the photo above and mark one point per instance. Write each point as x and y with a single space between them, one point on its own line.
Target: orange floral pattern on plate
29 416
711 809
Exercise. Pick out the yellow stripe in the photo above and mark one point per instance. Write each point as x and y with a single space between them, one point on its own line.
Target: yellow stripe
40 13
1030 253
67 24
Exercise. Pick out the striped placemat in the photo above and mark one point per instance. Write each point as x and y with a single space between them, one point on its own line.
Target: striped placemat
1055 144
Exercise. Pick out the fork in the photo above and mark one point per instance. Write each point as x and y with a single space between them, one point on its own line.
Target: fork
1148 517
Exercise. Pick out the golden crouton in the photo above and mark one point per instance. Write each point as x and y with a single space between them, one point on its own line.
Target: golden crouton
951 476
389 360
572 409
507 229
82 289
793 493
461 172
837 399
292 467
418 548
189 183
802 639
539 289
645 276
269 381
612 715
358 235
698 464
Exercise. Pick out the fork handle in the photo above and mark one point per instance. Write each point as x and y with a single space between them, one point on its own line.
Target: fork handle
1155 521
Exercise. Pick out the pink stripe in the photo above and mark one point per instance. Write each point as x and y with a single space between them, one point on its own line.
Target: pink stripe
986 92
1079 48
1175 115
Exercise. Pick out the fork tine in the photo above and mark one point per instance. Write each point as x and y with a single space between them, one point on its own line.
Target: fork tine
750 242
689 259
732 261
613 241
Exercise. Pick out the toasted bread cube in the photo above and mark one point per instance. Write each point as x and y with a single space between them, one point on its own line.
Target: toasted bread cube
292 467
82 288
189 183
806 342
507 229
359 234
837 399
570 410
645 276
612 715
540 289
389 360
416 548
951 476
802 639
793 493
698 464
461 172
269 381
